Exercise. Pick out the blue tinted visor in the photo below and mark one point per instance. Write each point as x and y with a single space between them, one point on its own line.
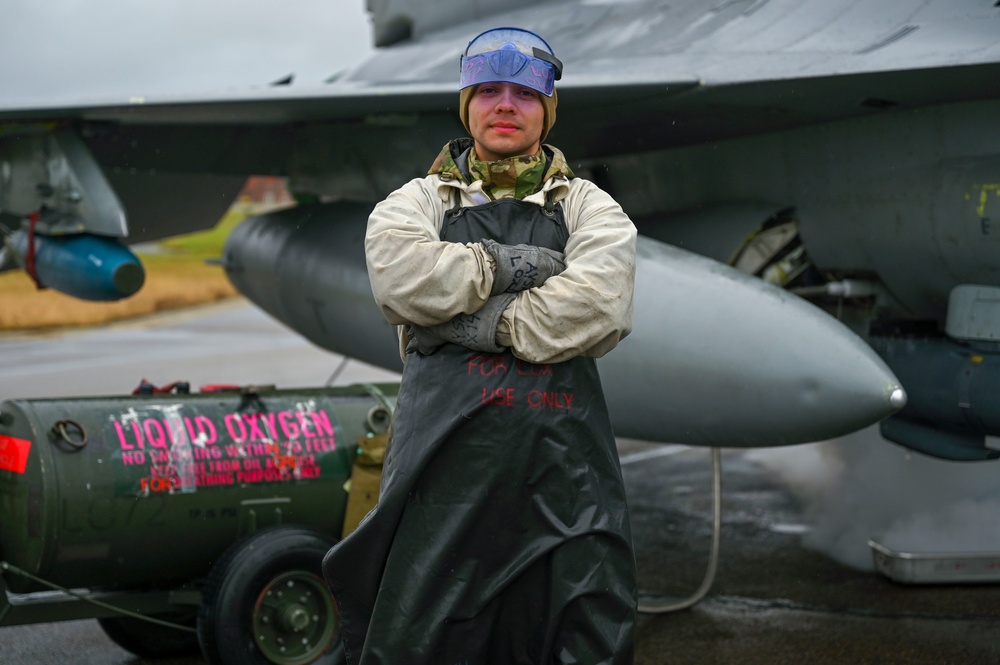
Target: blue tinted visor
511 55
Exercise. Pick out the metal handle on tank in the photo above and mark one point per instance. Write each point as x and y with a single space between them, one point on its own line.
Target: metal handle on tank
60 429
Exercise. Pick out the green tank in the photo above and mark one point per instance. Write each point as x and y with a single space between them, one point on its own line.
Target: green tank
157 492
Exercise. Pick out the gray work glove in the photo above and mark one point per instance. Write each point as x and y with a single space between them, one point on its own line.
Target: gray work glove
521 267
477 332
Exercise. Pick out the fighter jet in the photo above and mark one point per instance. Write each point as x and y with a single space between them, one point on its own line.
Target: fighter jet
815 183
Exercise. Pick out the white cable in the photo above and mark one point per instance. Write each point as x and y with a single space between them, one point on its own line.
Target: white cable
655 604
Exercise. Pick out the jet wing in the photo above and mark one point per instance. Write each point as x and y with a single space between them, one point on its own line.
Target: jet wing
655 75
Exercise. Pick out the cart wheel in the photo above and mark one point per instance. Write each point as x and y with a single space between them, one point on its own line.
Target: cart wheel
150 640
265 602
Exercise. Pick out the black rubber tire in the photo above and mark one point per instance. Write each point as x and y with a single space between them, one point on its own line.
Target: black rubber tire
150 640
240 605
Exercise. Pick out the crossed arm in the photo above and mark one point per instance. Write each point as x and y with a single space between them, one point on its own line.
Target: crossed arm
419 280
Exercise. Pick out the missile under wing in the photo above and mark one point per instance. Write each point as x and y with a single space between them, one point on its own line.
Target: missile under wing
842 150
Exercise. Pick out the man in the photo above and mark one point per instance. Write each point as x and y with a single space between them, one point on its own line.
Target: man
501 534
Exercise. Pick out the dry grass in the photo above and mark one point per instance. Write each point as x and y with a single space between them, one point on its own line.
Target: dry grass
171 282
177 276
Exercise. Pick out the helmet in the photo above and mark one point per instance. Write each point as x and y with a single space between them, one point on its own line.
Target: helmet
512 55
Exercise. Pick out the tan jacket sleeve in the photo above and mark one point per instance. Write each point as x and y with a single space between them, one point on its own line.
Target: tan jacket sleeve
587 309
415 276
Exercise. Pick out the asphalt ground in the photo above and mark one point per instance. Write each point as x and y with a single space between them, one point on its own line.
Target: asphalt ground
773 601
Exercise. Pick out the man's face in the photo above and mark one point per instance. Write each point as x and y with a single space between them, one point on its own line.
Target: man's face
505 120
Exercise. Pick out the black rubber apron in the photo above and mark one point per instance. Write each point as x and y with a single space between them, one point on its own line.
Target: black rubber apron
501 535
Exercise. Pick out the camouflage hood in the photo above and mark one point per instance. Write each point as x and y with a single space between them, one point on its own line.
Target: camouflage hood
515 176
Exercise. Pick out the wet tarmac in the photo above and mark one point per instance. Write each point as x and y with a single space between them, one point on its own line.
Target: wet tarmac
773 600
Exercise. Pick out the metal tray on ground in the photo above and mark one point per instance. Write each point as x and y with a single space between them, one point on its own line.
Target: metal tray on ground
936 567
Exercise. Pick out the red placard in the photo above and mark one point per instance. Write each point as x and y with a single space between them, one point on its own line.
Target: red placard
14 453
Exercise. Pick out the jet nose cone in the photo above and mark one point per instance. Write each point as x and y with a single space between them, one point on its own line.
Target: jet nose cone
897 398
728 360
